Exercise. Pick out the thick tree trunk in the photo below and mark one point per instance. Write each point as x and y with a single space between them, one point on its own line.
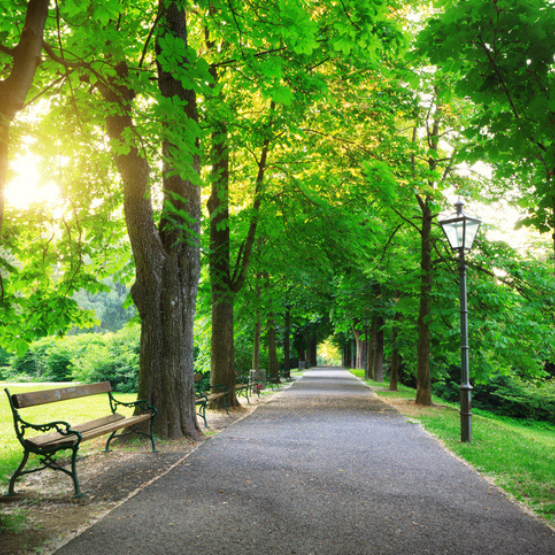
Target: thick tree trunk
423 380
14 89
273 371
167 262
223 349
166 306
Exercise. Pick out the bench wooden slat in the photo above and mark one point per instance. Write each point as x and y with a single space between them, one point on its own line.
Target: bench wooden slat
23 400
214 396
40 441
89 430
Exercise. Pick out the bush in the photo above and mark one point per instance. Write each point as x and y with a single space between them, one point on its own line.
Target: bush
88 358
504 395
47 359
527 400
115 359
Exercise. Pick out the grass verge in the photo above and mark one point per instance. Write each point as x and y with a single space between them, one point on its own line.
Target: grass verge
517 454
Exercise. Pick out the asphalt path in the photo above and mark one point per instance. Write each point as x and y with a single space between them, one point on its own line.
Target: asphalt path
323 468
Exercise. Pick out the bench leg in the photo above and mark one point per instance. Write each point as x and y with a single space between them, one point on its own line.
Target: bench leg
78 493
202 414
152 435
17 473
107 446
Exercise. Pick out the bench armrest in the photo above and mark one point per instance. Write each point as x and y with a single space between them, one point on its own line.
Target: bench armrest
142 404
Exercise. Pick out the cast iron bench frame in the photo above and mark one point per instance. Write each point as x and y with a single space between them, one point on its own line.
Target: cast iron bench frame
244 383
204 397
60 435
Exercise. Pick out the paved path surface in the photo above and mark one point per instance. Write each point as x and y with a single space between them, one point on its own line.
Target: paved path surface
325 468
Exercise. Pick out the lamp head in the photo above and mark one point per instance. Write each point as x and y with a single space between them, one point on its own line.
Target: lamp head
460 228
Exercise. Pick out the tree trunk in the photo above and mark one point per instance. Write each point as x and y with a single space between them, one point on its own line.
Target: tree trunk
167 261
256 345
286 343
361 349
225 281
222 366
14 89
378 348
423 380
345 360
369 368
311 351
394 353
273 371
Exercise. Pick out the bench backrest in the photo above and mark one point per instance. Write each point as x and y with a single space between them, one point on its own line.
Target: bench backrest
34 398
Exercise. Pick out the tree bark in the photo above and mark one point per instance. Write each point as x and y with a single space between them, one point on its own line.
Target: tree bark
167 261
395 358
313 351
286 343
361 350
369 368
273 371
378 348
423 380
14 89
256 345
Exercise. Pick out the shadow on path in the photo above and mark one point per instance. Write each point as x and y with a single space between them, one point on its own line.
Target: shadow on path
323 468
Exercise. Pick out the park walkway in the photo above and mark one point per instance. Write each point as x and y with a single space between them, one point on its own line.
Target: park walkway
324 468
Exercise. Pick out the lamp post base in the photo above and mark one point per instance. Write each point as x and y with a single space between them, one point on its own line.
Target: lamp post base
466 413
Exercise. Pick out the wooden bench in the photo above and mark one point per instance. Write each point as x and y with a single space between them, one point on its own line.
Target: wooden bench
205 393
245 383
60 435
285 375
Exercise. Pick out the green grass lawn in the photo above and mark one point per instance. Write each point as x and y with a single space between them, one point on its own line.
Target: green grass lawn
74 411
519 455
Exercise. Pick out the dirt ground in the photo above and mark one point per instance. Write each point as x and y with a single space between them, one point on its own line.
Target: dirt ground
51 517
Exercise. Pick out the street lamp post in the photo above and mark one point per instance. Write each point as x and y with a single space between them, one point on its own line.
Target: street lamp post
460 230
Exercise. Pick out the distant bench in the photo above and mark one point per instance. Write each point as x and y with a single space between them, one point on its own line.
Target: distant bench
62 435
245 383
205 393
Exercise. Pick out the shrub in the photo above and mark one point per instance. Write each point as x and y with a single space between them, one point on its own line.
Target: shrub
88 358
505 395
115 359
527 400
